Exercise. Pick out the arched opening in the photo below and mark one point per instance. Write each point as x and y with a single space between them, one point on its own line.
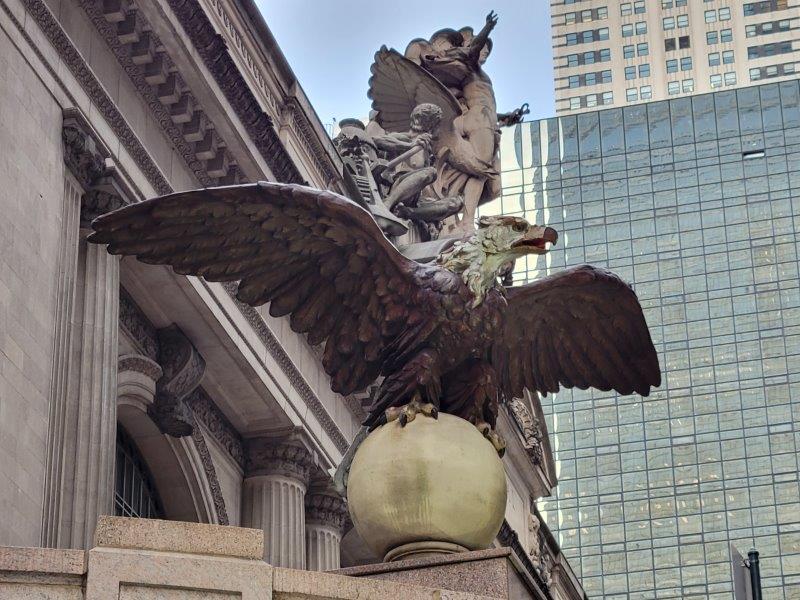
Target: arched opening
135 494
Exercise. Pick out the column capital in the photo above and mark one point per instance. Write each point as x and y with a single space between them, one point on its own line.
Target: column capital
326 509
276 456
136 380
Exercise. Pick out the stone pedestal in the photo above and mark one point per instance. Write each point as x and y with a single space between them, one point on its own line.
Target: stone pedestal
496 573
273 499
325 518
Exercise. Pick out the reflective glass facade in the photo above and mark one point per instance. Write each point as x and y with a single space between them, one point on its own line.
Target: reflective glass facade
696 201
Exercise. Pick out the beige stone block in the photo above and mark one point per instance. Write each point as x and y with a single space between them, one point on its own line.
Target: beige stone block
290 584
116 573
178 536
43 560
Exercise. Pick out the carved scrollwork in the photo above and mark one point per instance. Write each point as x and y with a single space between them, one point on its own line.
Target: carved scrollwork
183 370
207 413
81 155
530 428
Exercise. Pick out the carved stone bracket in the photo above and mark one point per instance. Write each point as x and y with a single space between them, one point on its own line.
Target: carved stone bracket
89 161
271 456
183 370
327 509
530 428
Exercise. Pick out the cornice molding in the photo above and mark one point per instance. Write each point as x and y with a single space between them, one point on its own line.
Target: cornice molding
213 50
101 101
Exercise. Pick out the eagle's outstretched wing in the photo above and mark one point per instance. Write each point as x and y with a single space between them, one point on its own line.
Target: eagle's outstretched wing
313 254
398 85
582 327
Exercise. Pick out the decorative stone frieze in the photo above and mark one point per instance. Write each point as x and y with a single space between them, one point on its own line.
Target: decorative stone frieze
137 326
81 154
215 422
211 476
183 370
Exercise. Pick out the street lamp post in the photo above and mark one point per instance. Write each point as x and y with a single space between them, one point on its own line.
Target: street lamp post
755 573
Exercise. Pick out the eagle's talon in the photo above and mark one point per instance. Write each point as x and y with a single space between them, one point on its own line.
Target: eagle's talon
494 438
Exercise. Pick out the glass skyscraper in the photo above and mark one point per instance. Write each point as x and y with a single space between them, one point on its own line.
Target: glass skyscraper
696 202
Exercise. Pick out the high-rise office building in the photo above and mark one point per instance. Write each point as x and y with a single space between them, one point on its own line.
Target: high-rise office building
696 202
616 53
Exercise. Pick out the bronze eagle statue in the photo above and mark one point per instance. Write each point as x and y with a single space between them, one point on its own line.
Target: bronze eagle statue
444 337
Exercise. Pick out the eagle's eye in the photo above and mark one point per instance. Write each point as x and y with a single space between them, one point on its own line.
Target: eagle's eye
519 227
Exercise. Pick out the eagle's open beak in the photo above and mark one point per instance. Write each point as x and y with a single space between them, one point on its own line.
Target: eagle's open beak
536 239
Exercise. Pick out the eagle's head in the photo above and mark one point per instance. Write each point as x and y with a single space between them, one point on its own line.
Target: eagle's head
481 258
509 238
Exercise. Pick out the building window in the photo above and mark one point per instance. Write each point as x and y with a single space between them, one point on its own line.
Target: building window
630 72
686 63
757 8
730 78
716 81
625 9
628 51
669 23
683 42
670 45
673 87
688 85
639 7
727 57
646 92
769 49
725 35
672 65
712 37
713 59
710 16
627 30
134 492
767 28
608 98
724 14
683 20
641 28
631 94
644 70
574 103
642 49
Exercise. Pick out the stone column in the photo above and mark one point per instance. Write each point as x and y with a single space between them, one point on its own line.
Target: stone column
83 401
326 514
273 498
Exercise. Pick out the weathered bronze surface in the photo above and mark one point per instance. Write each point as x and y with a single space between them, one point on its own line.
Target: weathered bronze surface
446 336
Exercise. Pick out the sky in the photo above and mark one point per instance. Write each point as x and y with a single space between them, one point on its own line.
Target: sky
330 45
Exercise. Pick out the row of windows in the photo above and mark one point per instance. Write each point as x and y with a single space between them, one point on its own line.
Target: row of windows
671 22
585 16
683 42
588 58
645 92
665 4
685 64
757 8
585 79
641 49
590 100
630 29
726 57
770 49
585 37
675 87
771 71
767 28
723 35
626 8
712 16
643 70
728 78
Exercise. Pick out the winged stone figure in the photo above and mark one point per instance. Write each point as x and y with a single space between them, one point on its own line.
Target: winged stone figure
445 337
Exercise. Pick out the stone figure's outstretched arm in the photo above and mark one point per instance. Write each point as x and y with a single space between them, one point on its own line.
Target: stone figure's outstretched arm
479 41
515 116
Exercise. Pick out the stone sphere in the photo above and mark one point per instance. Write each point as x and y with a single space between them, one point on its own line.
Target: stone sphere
435 485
